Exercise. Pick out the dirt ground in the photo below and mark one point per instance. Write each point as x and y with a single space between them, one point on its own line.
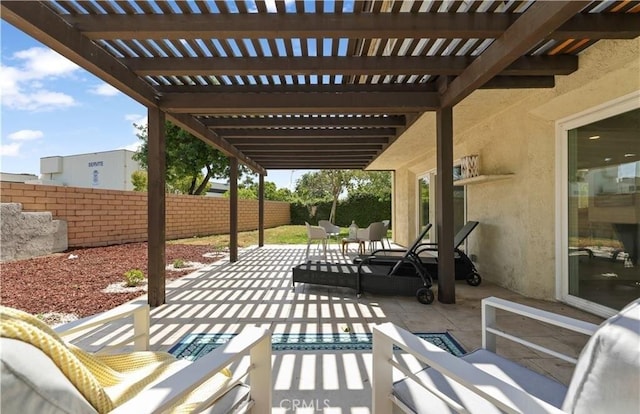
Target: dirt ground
72 282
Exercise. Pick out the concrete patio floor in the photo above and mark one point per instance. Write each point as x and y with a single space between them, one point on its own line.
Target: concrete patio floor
257 291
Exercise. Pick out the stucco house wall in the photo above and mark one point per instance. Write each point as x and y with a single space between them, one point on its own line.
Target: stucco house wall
514 132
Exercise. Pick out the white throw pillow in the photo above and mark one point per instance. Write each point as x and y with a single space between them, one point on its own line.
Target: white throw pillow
607 376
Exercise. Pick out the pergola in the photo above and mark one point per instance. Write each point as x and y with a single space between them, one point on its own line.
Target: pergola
318 85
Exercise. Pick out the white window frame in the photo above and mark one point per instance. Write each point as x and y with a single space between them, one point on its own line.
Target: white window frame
607 110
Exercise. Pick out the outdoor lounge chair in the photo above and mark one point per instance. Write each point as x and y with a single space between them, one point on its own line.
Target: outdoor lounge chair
606 378
42 373
379 279
427 254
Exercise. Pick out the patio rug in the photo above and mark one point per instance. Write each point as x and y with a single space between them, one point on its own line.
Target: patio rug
195 345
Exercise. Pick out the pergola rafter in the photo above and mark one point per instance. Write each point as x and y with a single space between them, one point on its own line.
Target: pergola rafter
353 65
318 25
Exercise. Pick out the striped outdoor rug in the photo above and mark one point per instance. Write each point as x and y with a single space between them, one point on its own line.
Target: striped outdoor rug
195 345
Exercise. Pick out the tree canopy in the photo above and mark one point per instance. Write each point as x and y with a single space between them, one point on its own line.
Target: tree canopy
249 190
373 183
191 163
328 185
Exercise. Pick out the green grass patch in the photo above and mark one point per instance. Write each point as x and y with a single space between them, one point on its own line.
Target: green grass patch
291 234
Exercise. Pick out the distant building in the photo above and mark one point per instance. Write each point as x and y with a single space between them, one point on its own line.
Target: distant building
17 178
106 170
217 189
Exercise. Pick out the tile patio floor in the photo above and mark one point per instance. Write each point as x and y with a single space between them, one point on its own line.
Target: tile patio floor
257 290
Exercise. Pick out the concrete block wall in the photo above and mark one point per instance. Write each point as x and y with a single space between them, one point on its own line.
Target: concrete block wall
102 217
29 234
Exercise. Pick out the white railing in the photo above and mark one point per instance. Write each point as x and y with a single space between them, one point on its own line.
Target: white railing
138 311
490 331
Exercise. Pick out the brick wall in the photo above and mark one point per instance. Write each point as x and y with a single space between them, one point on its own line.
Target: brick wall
102 217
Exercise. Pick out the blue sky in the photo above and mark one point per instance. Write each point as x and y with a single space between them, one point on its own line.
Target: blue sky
50 106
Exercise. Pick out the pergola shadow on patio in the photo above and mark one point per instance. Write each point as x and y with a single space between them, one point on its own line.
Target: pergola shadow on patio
256 291
324 85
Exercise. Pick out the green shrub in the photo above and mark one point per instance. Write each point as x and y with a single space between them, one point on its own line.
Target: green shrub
364 209
133 277
178 264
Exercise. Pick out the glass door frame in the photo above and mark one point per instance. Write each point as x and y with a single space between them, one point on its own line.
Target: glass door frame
433 236
563 126
431 174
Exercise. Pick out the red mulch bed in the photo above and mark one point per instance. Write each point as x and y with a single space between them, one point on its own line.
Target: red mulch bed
56 283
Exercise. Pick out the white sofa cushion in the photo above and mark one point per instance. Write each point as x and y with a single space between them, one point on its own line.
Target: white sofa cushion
32 383
607 376
422 401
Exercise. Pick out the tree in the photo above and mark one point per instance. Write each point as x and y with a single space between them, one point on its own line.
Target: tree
186 159
324 185
249 191
139 180
375 183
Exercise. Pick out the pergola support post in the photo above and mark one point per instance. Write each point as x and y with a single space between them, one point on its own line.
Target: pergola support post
261 210
233 209
444 201
156 224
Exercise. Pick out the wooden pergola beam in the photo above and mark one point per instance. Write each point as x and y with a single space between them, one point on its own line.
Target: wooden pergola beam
346 65
599 26
393 121
292 88
242 142
520 82
317 25
346 147
306 133
320 165
498 82
540 19
303 157
257 103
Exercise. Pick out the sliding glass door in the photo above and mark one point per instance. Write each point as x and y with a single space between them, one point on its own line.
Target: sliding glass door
603 210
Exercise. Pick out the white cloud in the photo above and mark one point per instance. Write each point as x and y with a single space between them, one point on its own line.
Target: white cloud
104 89
10 150
132 147
25 135
23 84
19 138
135 119
40 62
